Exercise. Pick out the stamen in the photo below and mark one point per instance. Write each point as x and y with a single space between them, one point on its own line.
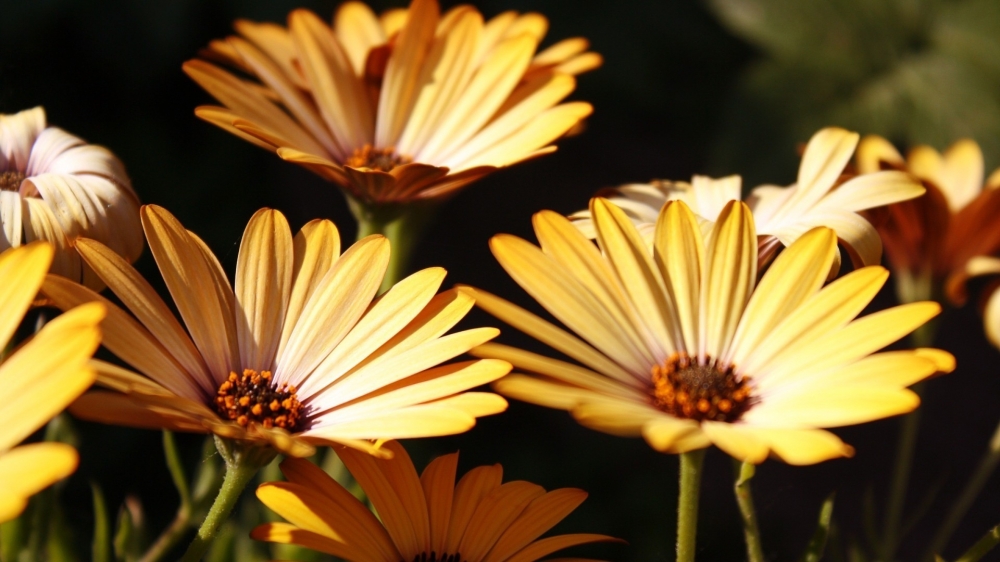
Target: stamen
252 398
686 389
11 180
382 159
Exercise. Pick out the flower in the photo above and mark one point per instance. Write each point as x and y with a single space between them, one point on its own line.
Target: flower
930 240
409 106
55 187
426 518
682 345
299 353
40 378
820 197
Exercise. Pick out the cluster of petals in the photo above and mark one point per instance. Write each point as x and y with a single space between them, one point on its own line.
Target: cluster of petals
426 517
41 377
55 187
441 99
939 240
820 197
807 361
364 368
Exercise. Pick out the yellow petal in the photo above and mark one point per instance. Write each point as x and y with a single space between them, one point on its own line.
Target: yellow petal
546 546
316 248
22 270
737 440
831 407
27 470
469 492
48 372
667 434
872 150
731 272
679 252
803 446
495 514
358 30
263 287
438 481
542 514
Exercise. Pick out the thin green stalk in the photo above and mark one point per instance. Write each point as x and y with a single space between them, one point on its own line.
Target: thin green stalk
401 223
983 546
242 463
744 472
965 500
182 520
687 504
905 450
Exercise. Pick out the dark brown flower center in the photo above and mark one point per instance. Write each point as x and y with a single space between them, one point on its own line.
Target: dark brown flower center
685 389
382 159
11 181
433 557
251 397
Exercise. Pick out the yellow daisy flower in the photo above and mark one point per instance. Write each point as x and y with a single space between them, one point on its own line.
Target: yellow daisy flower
299 352
930 240
411 105
782 214
425 518
55 187
40 378
680 344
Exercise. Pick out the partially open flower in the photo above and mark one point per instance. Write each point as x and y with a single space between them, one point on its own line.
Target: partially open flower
299 352
412 105
930 240
820 197
40 378
425 518
680 343
55 187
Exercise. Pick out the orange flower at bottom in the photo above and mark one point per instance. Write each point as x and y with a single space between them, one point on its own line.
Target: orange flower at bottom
423 518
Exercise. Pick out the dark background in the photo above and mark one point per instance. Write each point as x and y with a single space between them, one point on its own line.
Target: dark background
687 87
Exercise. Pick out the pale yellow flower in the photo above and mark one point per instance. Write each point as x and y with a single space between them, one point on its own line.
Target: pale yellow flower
55 187
680 344
425 518
40 378
782 214
407 106
299 353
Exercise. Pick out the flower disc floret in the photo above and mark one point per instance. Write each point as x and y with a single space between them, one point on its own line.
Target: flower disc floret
695 391
254 397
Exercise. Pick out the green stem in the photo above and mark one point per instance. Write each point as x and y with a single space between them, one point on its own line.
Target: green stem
402 224
744 498
687 504
242 463
983 472
182 520
983 546
905 449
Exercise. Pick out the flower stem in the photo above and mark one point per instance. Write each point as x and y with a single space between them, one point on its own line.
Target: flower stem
744 472
402 224
687 504
905 449
983 472
242 464
983 546
182 520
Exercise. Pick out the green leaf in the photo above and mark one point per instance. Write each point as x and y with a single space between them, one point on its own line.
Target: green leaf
817 544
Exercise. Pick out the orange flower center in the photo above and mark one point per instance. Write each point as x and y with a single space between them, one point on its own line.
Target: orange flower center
433 557
253 398
686 389
382 159
11 181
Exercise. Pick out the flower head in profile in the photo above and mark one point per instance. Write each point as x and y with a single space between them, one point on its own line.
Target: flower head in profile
423 518
680 344
930 240
40 378
820 197
408 106
55 187
299 352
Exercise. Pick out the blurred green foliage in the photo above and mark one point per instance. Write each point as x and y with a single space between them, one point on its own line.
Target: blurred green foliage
913 71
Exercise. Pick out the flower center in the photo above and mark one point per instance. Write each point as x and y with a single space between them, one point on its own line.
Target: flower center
251 397
433 557
382 159
11 181
685 389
